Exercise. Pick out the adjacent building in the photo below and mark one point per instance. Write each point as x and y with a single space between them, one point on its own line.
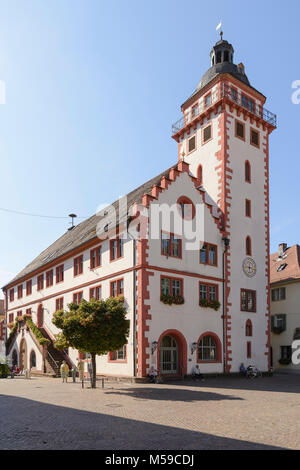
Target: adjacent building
195 276
285 305
2 327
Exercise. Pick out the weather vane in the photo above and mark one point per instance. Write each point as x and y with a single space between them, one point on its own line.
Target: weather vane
219 27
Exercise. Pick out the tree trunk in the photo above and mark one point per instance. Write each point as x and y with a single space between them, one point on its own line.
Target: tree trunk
93 379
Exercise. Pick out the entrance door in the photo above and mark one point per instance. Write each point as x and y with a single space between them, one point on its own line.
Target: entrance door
23 355
168 355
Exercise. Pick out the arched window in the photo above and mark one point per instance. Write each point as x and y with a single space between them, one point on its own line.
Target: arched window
226 56
32 359
200 175
208 349
247 172
186 208
219 57
248 329
248 246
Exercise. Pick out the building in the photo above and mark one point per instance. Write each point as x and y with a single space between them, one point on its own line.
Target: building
205 301
2 329
285 305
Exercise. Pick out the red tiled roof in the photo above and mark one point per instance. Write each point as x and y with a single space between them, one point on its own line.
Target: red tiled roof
292 269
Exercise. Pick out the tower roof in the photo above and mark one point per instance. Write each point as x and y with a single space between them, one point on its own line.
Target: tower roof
222 55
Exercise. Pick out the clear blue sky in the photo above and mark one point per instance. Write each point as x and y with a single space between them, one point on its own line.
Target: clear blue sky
92 88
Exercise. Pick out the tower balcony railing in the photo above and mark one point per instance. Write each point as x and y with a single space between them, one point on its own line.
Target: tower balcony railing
231 94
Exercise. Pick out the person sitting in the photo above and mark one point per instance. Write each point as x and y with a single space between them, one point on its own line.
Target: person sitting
243 370
153 375
196 374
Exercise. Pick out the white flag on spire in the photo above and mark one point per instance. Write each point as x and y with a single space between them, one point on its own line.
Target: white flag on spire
219 26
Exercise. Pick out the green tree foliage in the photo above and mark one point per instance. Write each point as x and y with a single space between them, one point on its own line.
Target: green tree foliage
94 327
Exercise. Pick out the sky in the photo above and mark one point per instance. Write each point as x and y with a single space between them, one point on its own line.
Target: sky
92 88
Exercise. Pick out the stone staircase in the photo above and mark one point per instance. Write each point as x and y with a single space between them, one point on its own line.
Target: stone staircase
55 357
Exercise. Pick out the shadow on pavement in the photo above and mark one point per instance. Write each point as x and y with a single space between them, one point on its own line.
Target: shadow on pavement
171 394
29 424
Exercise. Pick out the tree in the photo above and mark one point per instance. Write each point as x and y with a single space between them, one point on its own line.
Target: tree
96 327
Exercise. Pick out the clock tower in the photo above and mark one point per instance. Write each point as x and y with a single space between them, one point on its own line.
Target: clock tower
224 136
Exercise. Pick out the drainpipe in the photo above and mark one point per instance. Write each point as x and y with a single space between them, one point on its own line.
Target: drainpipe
226 245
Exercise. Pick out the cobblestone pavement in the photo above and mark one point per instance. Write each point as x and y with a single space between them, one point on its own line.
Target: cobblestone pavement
221 413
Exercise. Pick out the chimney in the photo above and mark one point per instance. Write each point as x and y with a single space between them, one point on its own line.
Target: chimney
281 249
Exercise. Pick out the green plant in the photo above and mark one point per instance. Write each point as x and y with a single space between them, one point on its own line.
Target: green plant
96 327
4 371
205 303
277 330
41 339
172 299
11 335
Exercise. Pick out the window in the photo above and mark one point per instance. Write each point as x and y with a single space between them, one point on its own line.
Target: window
95 257
254 138
120 355
207 100
170 245
207 349
116 249
248 300
247 172
248 246
286 352
226 56
248 328
200 175
208 291
208 254
247 208
240 130
219 57
206 134
248 349
96 293
59 274
186 208
278 323
28 311
117 288
59 303
49 278
192 144
19 313
195 110
171 286
29 287
10 318
40 282
11 295
77 297
20 291
278 294
248 103
234 94
78 265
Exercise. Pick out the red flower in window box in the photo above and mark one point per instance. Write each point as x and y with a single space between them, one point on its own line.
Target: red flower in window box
215 304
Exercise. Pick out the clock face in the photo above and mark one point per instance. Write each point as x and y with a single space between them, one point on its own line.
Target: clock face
249 267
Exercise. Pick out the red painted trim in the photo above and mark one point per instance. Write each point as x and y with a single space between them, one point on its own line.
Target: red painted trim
95 257
248 328
95 288
209 285
170 255
182 348
208 246
188 144
49 278
59 303
119 255
78 265
29 287
162 276
200 175
204 142
237 121
77 297
248 209
248 246
59 274
248 291
247 171
118 289
20 291
249 349
40 282
118 361
186 201
219 348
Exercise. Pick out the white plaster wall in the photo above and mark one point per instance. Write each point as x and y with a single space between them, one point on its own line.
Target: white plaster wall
291 307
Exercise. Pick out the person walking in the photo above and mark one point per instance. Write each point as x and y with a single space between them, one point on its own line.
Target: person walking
80 367
74 373
64 371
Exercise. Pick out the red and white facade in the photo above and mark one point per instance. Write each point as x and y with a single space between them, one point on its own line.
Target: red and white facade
223 174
